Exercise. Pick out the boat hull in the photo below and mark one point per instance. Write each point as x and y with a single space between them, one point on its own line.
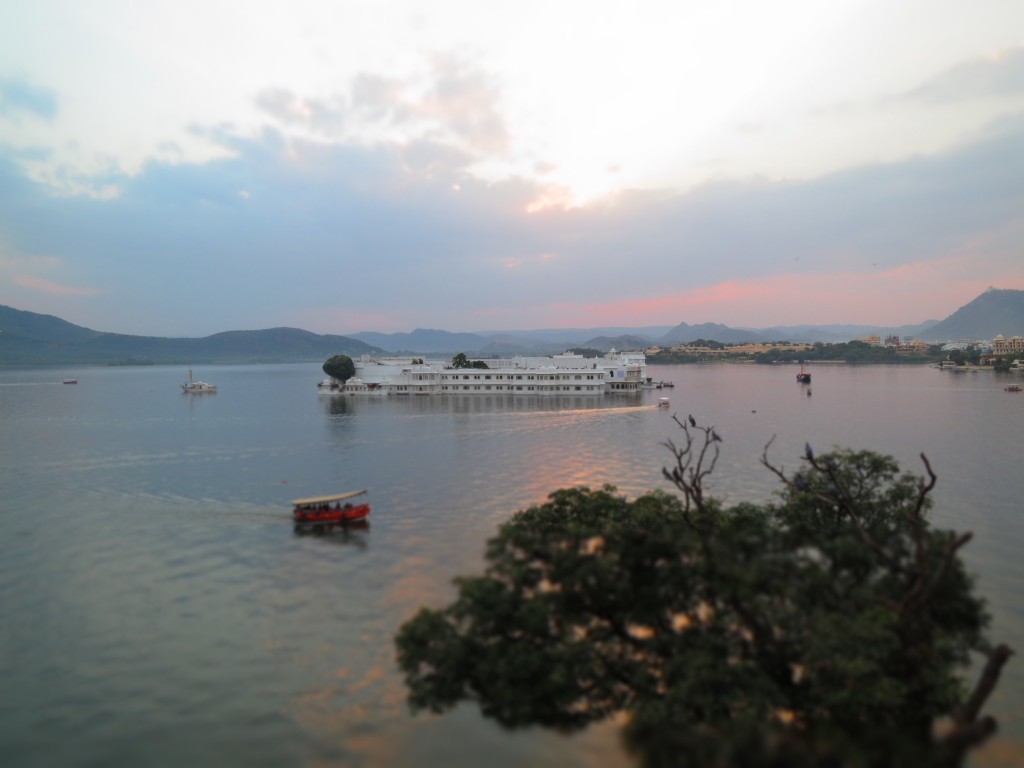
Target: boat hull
352 514
199 389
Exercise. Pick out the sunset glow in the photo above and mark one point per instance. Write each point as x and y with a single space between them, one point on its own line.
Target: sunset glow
394 166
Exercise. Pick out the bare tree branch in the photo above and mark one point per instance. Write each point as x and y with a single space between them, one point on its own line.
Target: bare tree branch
986 683
968 731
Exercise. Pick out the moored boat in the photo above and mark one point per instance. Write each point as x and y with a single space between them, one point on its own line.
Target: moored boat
663 402
1013 388
198 387
330 510
803 377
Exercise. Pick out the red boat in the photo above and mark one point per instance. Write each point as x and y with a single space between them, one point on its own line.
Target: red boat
330 510
803 377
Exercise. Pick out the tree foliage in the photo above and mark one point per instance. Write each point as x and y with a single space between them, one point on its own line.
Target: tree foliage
461 361
340 367
851 352
830 627
1003 363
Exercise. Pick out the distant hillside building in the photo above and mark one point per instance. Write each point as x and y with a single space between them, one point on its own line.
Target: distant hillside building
912 347
872 338
1012 346
738 350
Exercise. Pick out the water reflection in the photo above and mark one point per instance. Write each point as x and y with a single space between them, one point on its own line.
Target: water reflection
354 534
337 406
472 404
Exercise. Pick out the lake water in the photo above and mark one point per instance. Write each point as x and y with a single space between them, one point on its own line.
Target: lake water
159 610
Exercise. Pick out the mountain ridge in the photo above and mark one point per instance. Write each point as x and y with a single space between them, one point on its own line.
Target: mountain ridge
994 312
29 338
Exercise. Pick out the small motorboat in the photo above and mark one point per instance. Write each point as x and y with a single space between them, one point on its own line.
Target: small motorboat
329 510
1013 388
663 402
70 381
198 387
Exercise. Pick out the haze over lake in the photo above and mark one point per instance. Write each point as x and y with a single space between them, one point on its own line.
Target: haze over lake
159 609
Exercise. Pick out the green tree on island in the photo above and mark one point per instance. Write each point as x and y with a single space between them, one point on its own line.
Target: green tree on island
831 627
340 367
461 361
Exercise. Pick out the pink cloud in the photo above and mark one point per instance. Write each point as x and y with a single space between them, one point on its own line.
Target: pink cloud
906 294
50 287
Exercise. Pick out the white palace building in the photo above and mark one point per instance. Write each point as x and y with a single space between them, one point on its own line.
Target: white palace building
565 374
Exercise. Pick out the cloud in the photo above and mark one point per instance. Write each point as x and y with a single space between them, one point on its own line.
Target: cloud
381 232
455 103
20 97
796 299
49 287
990 76
325 117
465 102
380 99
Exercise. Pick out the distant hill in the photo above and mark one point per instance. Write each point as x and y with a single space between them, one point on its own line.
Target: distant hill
512 346
507 343
626 341
838 333
574 337
684 334
994 312
27 339
423 340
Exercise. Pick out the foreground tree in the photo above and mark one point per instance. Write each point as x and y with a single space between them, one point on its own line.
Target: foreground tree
340 367
830 628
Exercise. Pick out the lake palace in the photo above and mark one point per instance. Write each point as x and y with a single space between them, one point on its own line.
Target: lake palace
565 374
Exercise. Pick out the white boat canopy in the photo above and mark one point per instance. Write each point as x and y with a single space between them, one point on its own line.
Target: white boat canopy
313 500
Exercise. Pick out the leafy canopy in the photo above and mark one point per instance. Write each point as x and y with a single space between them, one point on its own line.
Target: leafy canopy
461 361
830 627
340 367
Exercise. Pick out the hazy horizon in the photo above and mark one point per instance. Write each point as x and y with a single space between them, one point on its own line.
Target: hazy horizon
662 327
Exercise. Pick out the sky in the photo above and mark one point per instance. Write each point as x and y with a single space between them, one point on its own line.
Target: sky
189 167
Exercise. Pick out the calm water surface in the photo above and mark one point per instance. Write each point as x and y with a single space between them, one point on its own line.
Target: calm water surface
159 610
